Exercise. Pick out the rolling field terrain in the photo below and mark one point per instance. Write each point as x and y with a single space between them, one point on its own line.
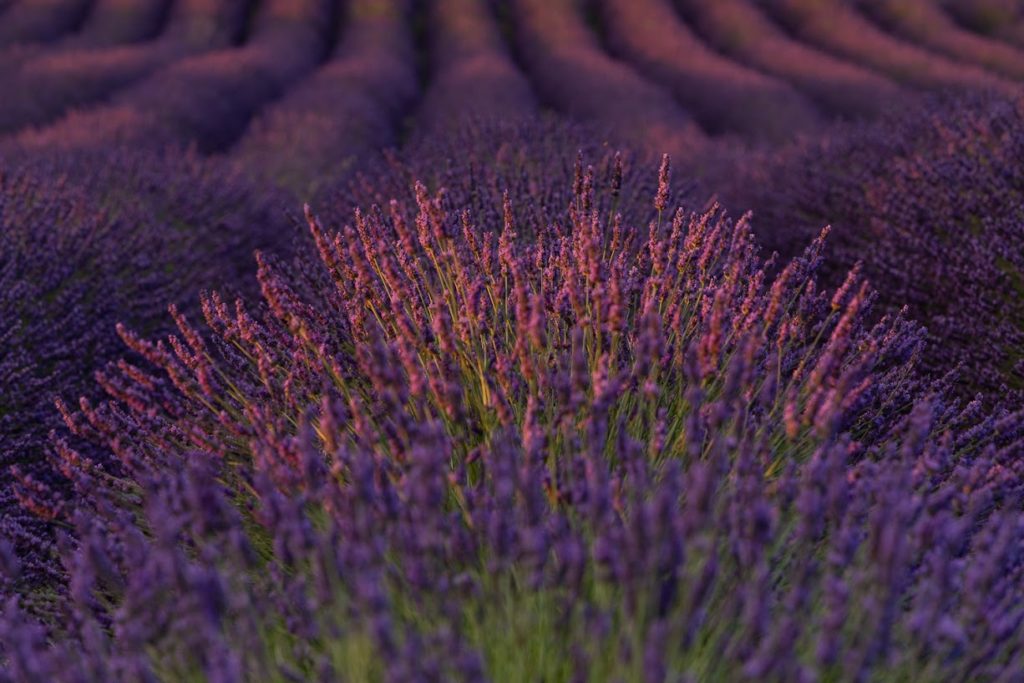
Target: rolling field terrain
511 340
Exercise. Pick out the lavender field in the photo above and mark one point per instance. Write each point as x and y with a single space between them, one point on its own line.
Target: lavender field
526 341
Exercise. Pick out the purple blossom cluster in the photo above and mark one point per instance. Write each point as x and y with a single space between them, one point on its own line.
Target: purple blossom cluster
930 203
444 449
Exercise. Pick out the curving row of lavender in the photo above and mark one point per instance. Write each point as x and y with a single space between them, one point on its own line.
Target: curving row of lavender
741 30
344 112
45 20
1002 19
837 27
729 66
443 450
925 23
205 100
572 73
473 78
724 96
43 86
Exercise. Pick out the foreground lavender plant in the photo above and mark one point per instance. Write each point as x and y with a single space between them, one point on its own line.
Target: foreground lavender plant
451 451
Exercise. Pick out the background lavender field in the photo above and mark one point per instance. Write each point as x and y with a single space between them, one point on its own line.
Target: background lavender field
511 340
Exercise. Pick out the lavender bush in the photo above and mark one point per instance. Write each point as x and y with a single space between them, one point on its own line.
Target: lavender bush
452 451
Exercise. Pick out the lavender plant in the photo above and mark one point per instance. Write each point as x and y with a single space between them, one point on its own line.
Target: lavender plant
452 451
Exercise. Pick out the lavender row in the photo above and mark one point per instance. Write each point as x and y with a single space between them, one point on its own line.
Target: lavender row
931 204
43 87
724 96
473 78
569 69
208 99
448 451
1001 19
924 22
837 27
113 22
347 110
742 31
40 21
90 240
